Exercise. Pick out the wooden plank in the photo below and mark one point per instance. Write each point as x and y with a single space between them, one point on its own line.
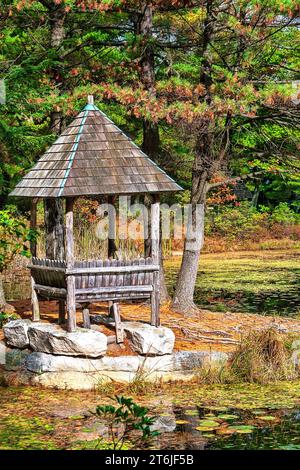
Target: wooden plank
134 274
141 274
86 318
105 280
61 312
108 290
92 277
35 309
71 305
118 324
99 278
53 268
114 268
127 274
117 296
47 291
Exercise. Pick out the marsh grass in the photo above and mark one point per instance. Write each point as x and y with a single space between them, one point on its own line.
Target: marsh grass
263 357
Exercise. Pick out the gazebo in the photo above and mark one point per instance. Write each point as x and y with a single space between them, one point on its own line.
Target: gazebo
94 157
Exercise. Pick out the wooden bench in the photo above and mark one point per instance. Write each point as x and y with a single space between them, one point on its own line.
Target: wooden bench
97 280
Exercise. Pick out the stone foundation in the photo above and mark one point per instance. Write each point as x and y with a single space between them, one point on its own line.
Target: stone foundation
75 373
45 355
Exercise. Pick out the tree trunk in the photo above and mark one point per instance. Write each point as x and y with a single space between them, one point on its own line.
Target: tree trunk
184 293
202 171
54 228
151 140
54 209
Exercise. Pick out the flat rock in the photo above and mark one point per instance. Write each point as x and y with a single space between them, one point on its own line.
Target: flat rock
193 360
15 358
16 333
39 362
149 340
53 339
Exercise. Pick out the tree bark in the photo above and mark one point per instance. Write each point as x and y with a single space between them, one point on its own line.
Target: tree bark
54 209
203 168
151 140
54 228
183 300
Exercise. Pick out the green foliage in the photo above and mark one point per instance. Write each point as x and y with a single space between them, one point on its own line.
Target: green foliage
14 237
283 214
6 317
243 221
124 419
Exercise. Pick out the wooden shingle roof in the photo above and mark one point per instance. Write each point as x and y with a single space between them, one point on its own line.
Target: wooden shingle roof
93 156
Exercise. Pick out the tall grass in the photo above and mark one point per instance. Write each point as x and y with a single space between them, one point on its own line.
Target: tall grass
262 357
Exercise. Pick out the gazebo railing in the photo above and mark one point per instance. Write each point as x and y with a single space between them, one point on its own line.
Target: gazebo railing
95 280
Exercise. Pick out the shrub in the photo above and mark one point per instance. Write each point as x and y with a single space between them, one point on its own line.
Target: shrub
125 419
284 215
14 237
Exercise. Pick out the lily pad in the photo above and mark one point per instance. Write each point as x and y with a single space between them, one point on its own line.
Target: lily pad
225 431
205 429
267 418
181 421
192 412
209 422
228 417
242 429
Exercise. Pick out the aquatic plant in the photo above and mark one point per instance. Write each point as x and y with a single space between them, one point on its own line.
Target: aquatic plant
125 420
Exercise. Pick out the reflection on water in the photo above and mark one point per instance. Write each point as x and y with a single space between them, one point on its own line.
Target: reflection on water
203 428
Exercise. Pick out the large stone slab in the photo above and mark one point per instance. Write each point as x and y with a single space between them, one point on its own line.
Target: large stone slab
149 340
16 333
77 373
41 362
48 338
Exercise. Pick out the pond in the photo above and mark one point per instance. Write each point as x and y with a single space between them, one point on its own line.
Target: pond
265 282
241 416
233 429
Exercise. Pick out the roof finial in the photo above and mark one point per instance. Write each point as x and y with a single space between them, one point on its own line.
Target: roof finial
90 99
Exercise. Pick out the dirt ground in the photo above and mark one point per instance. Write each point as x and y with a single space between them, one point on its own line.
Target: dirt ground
203 331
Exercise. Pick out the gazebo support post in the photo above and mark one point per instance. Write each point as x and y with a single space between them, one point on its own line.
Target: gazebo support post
155 216
71 304
34 298
112 230
61 312
112 247
148 199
